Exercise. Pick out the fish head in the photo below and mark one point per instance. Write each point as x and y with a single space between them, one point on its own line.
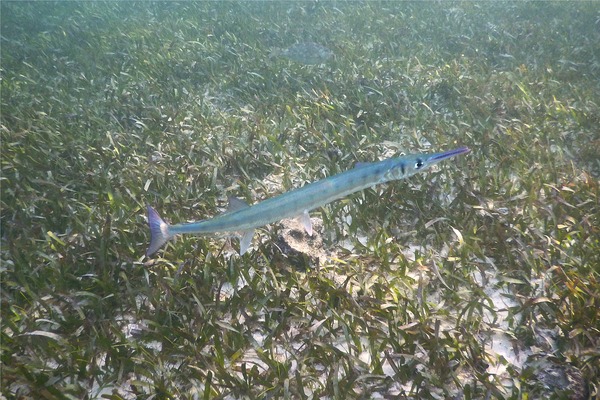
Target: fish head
403 167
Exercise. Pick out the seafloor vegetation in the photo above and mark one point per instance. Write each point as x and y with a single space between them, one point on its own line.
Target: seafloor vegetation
478 279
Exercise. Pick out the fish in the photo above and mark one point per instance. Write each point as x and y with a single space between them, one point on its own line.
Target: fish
308 53
240 217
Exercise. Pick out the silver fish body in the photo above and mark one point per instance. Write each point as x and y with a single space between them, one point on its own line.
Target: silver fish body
297 202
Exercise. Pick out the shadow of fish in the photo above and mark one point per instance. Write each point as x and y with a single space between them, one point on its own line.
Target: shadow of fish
308 53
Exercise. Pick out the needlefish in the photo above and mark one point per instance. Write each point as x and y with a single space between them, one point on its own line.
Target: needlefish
240 217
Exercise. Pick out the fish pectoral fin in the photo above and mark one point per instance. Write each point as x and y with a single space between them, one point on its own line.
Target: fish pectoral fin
246 241
305 218
236 204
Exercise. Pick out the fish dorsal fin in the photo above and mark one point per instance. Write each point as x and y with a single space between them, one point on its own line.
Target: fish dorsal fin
236 204
361 164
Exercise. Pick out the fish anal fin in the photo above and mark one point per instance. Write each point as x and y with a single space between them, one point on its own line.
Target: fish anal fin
236 204
246 241
306 222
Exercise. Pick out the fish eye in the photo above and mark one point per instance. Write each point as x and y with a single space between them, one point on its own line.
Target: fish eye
418 163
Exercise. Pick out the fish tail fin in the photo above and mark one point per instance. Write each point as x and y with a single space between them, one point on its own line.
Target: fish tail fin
159 231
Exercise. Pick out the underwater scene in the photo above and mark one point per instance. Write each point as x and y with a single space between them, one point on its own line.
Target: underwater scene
300 200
